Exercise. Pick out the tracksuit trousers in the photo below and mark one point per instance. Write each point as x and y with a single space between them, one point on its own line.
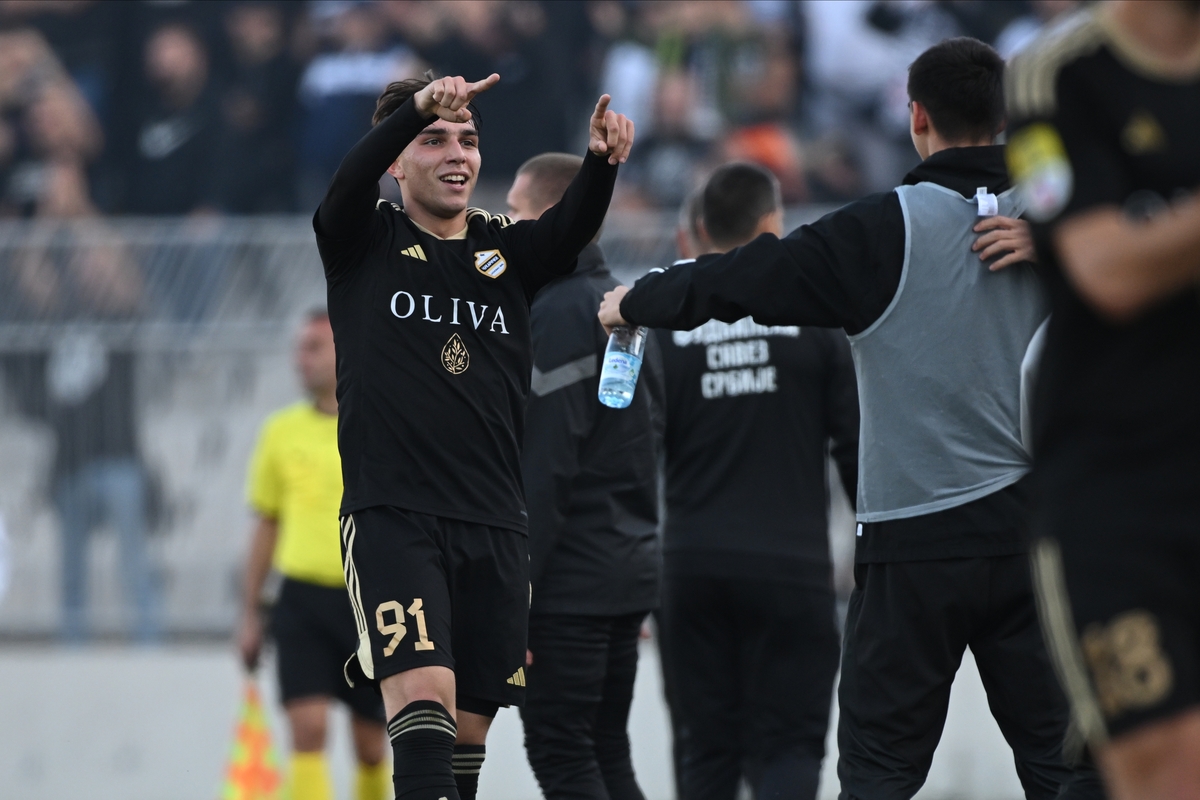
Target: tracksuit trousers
577 697
750 666
906 629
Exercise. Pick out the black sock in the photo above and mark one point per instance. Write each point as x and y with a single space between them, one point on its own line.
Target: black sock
422 737
468 760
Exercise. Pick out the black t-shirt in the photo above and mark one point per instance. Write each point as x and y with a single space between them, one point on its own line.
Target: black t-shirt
85 392
751 410
432 335
1117 406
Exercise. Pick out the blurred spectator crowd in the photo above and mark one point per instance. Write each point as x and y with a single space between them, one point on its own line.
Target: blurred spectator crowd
173 107
199 108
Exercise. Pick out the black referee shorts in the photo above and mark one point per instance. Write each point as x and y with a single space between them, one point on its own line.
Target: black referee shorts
313 628
1120 610
411 574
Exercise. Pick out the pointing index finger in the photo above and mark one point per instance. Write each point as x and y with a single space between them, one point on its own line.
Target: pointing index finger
484 85
602 106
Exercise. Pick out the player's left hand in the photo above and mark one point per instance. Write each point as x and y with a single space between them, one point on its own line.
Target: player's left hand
610 133
1004 235
610 309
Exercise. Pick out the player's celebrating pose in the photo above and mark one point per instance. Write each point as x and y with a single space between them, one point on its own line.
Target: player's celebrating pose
430 311
1105 137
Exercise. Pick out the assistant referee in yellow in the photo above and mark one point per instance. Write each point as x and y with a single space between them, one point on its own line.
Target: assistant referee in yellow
295 488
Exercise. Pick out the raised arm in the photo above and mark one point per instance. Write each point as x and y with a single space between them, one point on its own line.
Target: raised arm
549 245
346 207
839 272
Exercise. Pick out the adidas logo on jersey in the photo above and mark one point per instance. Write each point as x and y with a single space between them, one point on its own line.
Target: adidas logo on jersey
414 252
518 677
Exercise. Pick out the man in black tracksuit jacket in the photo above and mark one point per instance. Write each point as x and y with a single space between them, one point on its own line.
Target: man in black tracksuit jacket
590 476
931 583
748 629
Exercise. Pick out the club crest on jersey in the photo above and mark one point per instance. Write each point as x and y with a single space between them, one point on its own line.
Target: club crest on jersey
490 263
1037 160
455 357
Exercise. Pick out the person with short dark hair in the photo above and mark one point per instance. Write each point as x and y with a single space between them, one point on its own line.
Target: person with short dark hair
430 308
173 158
748 631
591 489
1104 138
295 486
940 322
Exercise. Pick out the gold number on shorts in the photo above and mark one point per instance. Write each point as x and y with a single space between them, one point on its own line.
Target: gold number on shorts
1127 661
418 614
396 629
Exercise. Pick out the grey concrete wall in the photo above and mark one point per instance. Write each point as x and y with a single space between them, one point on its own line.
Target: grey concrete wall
130 724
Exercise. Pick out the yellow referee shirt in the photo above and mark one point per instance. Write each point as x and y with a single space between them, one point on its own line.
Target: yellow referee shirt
296 478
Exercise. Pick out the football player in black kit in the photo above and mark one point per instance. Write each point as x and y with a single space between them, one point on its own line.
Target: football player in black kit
430 311
748 628
1105 139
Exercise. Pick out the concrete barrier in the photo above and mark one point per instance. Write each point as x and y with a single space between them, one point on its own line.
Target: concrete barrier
156 724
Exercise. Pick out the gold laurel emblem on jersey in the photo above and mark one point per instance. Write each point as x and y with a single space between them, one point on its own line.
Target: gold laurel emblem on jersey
455 357
490 263
1142 134
1127 661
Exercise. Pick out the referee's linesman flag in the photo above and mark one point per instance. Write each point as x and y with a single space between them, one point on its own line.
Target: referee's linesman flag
253 772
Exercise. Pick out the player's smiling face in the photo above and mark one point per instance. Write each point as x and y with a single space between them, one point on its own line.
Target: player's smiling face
438 170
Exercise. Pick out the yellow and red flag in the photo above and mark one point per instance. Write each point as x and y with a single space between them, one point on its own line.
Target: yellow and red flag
253 772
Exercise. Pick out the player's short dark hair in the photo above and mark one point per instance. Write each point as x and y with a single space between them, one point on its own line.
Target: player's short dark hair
735 199
398 91
549 176
960 82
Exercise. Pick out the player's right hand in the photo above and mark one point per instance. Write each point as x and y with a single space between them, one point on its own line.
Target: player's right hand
448 97
250 639
610 309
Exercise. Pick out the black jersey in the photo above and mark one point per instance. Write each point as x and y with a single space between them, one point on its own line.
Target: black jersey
433 341
751 410
1117 406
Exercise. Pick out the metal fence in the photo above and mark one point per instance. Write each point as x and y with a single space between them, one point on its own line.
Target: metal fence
137 360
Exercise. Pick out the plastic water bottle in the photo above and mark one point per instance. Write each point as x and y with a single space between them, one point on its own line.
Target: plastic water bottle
622 363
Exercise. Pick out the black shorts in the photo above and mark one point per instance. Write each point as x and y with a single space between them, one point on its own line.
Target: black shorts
410 574
313 628
1120 611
